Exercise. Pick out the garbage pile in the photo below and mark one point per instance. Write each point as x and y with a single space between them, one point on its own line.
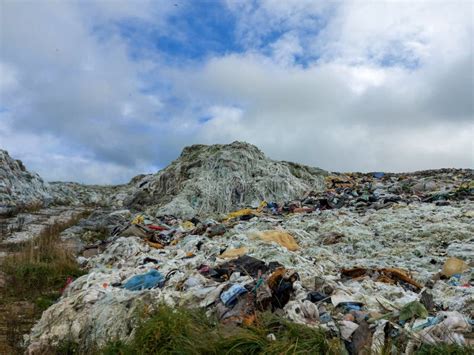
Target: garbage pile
382 190
25 191
203 180
388 264
218 178
19 188
74 194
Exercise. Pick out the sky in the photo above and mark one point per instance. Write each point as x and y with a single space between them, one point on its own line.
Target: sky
101 91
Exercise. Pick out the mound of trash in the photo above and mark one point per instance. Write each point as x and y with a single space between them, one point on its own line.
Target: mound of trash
75 194
376 259
218 178
19 188
204 179
22 190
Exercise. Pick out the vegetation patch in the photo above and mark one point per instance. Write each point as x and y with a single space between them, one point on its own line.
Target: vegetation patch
190 331
445 349
35 274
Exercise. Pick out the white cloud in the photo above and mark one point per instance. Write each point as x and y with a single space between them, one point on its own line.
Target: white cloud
351 85
61 78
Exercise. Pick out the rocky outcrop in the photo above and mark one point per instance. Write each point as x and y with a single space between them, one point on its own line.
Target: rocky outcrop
19 188
219 178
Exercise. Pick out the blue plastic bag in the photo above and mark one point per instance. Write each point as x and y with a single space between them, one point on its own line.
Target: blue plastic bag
228 297
149 280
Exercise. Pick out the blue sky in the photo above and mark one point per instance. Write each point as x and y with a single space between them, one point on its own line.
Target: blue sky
100 91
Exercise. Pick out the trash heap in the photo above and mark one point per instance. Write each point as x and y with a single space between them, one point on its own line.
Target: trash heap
19 188
374 259
24 191
218 178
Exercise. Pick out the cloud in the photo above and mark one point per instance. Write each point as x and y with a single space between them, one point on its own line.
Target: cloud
106 90
65 81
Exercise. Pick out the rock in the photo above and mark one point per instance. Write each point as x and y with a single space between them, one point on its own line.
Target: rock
426 299
3 279
349 317
424 186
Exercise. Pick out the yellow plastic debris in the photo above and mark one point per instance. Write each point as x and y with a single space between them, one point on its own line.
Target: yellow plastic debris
155 245
281 237
263 204
246 211
240 213
234 253
454 266
138 220
188 225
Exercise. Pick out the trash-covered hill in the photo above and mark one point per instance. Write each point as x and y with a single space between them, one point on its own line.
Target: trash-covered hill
375 259
23 191
204 179
218 178
19 188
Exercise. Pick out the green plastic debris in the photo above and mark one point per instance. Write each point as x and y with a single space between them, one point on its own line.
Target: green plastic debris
413 309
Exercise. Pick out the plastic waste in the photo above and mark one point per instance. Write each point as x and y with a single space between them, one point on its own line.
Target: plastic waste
234 253
280 237
149 280
230 296
454 266
347 328
413 309
341 297
240 213
139 219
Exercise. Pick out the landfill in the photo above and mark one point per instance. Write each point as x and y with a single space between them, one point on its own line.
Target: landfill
371 258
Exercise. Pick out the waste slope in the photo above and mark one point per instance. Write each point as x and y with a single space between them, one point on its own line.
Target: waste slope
220 178
20 188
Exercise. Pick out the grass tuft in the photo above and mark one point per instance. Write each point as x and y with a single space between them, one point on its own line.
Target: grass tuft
445 349
190 331
42 266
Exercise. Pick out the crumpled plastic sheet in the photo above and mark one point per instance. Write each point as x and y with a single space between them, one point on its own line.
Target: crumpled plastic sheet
450 330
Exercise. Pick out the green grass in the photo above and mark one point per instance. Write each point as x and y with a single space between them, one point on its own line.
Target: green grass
35 274
183 331
190 331
41 267
445 349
